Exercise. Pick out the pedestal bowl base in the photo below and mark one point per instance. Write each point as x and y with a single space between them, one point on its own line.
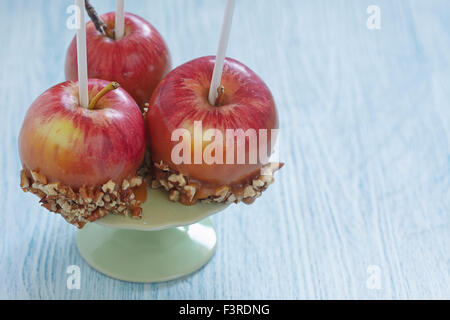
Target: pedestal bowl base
147 256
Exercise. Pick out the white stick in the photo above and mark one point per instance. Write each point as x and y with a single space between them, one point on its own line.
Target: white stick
221 51
120 19
82 57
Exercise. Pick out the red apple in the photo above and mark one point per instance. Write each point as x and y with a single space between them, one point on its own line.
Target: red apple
138 61
76 146
181 99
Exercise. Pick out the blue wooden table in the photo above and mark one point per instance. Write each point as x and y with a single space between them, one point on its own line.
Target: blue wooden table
362 207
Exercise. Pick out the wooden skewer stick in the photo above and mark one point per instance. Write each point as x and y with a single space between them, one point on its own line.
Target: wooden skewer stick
82 57
221 52
120 19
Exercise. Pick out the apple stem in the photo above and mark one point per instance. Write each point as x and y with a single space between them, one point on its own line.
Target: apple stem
98 22
220 96
221 51
111 86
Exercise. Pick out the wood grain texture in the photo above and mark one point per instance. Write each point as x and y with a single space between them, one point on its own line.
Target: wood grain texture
365 137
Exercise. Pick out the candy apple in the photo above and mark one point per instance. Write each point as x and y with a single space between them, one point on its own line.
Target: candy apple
76 146
244 110
138 61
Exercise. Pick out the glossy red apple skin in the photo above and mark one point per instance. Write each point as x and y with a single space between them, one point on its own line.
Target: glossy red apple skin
138 61
75 146
182 98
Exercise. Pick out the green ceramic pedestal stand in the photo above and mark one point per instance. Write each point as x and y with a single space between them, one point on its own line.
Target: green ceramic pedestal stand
167 243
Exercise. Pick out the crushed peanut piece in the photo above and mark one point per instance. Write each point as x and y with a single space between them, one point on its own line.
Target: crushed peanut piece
24 182
174 195
136 181
125 184
190 192
109 186
38 177
177 178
